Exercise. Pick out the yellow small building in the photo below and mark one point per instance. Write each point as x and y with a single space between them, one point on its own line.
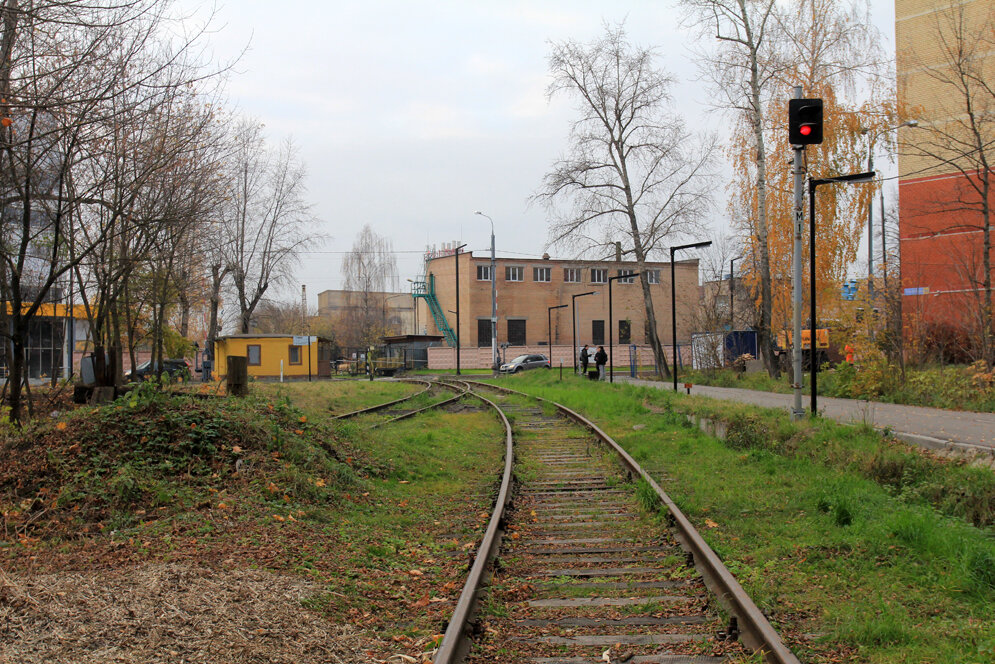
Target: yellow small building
276 355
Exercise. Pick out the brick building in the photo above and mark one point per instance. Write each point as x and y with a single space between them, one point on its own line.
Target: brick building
527 287
940 234
396 310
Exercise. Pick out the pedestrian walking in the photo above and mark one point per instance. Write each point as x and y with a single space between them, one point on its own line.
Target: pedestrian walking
583 360
601 359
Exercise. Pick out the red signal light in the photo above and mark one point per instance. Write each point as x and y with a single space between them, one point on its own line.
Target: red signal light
805 130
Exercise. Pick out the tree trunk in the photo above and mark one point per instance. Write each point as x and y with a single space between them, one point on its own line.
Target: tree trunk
217 276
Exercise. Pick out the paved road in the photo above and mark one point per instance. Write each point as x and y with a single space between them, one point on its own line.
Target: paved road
928 427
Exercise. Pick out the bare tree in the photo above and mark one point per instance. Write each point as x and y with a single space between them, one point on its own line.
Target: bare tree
743 70
960 138
74 76
369 271
266 220
633 169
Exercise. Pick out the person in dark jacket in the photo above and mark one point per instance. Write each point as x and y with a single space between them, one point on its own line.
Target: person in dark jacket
601 359
583 360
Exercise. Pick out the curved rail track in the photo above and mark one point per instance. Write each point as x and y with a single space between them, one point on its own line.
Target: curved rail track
580 572
392 411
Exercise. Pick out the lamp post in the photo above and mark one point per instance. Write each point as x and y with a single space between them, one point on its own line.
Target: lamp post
573 321
494 351
456 256
812 184
673 299
611 323
549 329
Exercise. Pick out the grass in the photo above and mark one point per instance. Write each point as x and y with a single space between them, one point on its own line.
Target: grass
970 387
873 569
382 520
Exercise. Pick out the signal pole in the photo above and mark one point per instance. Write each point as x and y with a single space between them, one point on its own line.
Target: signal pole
796 274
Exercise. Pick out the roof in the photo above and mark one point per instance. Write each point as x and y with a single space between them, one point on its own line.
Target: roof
266 336
413 337
594 262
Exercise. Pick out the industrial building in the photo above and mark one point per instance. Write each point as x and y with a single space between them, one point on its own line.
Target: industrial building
526 290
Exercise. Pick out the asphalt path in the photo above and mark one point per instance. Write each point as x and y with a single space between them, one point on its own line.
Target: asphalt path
929 427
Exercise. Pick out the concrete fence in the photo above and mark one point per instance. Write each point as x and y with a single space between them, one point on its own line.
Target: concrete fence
444 357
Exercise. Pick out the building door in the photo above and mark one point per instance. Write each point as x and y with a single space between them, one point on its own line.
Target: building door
483 332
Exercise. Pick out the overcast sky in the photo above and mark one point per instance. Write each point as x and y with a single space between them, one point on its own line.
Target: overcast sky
412 114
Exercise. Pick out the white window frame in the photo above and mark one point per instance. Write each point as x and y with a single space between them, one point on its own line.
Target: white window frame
573 275
653 276
512 271
483 270
630 280
542 272
599 272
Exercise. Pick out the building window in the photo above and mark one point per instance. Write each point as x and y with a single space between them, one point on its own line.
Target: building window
599 275
516 332
540 274
624 332
254 354
483 332
572 275
627 280
483 273
514 273
295 354
598 332
653 276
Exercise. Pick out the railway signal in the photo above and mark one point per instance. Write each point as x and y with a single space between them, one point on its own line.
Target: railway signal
804 121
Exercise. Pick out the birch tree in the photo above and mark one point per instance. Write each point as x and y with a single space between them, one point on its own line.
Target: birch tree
633 170
369 271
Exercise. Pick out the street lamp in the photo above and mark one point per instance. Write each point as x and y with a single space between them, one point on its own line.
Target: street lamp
854 178
549 329
456 256
611 323
573 321
673 299
494 352
870 208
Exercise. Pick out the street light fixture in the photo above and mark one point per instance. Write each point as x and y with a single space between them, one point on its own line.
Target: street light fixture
494 352
611 323
673 299
854 178
573 321
549 328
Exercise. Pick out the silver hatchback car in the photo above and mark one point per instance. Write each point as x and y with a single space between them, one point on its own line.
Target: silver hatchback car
523 362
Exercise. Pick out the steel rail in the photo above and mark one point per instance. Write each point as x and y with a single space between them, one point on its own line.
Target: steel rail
456 641
755 630
371 409
460 394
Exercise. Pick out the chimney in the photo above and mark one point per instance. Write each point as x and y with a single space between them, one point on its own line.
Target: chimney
618 252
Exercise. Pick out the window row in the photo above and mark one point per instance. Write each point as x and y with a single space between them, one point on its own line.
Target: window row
571 275
254 354
516 332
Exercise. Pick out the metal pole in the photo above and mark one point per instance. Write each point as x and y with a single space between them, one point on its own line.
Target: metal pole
549 328
813 405
456 256
494 350
798 172
611 318
573 327
870 239
673 314
732 292
884 247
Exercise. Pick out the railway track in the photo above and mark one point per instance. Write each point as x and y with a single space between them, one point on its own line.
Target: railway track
578 570
434 395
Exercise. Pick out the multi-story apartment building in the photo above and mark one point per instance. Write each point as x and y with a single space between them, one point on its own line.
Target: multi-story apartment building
945 61
527 288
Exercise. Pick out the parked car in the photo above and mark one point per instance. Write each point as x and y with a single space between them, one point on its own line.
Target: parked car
171 368
523 362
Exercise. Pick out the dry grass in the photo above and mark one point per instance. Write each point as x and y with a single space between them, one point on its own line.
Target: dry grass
166 613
